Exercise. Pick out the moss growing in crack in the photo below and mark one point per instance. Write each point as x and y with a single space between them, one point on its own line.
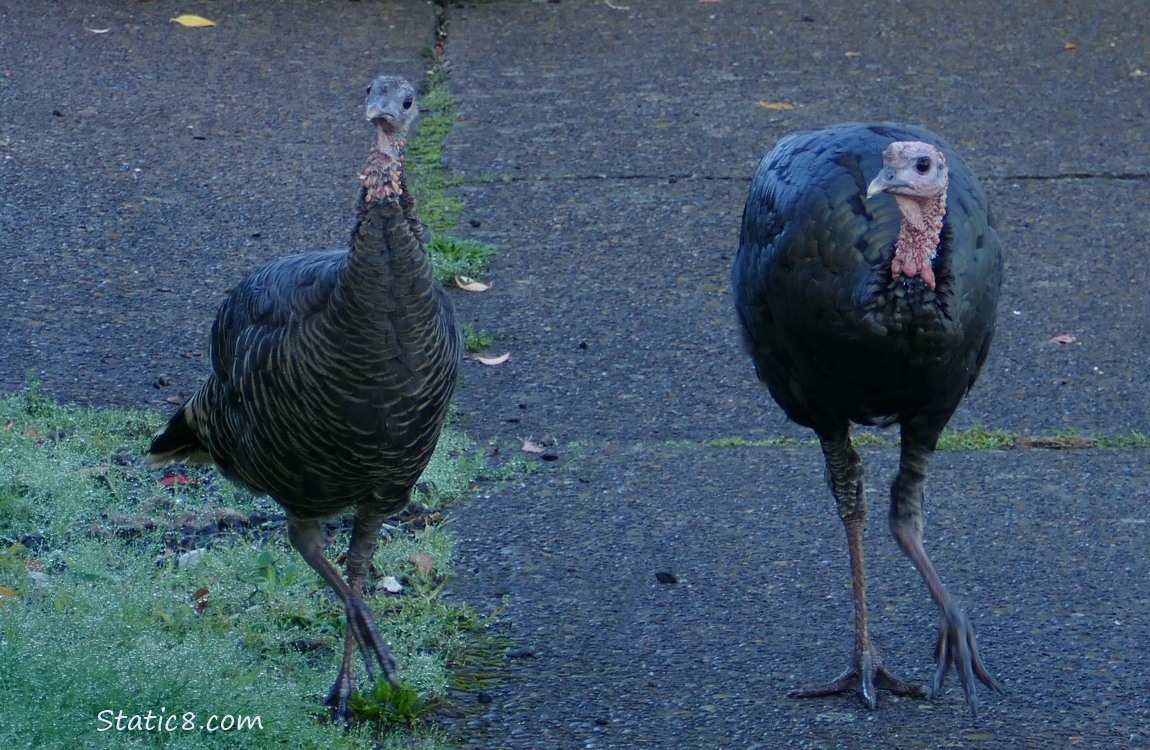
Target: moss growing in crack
973 438
452 256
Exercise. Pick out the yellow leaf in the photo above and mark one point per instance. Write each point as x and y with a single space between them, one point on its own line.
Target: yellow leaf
775 105
193 21
854 54
7 592
494 360
1071 46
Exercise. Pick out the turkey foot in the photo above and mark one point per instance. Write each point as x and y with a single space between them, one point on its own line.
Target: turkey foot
864 676
956 645
361 633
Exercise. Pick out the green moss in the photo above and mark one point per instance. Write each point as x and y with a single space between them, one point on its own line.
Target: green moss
430 181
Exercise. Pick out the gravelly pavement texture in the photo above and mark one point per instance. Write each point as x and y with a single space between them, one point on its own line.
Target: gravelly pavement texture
146 170
606 149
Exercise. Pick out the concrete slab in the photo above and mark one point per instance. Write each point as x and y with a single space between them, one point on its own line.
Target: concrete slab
147 169
613 143
678 87
1045 548
613 298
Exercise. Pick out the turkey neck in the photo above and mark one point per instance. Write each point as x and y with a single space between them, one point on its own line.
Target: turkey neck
388 270
918 235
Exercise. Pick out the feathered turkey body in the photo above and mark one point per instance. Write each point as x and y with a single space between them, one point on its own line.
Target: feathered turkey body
331 376
866 285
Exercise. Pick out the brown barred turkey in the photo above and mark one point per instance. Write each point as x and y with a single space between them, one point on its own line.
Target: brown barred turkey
331 377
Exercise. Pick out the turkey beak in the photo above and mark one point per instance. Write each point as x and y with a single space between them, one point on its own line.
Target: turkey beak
885 182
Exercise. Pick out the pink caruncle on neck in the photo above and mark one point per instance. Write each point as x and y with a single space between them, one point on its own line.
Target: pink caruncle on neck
917 242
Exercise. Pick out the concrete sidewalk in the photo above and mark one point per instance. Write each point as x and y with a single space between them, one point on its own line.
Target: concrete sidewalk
606 149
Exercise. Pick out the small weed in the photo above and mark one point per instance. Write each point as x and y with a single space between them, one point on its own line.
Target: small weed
476 341
459 257
388 707
270 576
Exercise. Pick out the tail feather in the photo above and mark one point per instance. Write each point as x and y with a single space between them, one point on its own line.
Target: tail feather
178 442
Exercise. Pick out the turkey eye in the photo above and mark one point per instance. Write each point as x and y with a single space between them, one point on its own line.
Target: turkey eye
923 164
408 102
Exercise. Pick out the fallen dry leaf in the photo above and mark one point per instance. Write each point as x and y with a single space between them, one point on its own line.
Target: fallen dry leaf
1064 338
774 105
854 54
7 592
532 447
423 562
193 21
391 584
200 600
493 360
468 284
1070 46
176 479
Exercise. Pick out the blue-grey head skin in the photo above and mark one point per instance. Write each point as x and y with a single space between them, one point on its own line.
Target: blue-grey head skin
390 105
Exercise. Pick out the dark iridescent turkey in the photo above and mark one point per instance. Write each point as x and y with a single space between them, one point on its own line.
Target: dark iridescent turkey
866 284
331 377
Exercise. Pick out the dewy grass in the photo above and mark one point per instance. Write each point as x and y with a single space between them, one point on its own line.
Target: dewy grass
112 636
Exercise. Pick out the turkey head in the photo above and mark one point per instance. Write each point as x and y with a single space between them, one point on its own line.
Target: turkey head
391 108
914 173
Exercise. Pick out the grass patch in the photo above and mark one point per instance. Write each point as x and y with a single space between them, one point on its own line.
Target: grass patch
106 615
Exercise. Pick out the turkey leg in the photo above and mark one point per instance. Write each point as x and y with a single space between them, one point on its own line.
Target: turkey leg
866 673
955 633
307 538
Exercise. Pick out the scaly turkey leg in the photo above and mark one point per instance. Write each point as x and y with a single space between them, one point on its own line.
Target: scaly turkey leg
866 673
